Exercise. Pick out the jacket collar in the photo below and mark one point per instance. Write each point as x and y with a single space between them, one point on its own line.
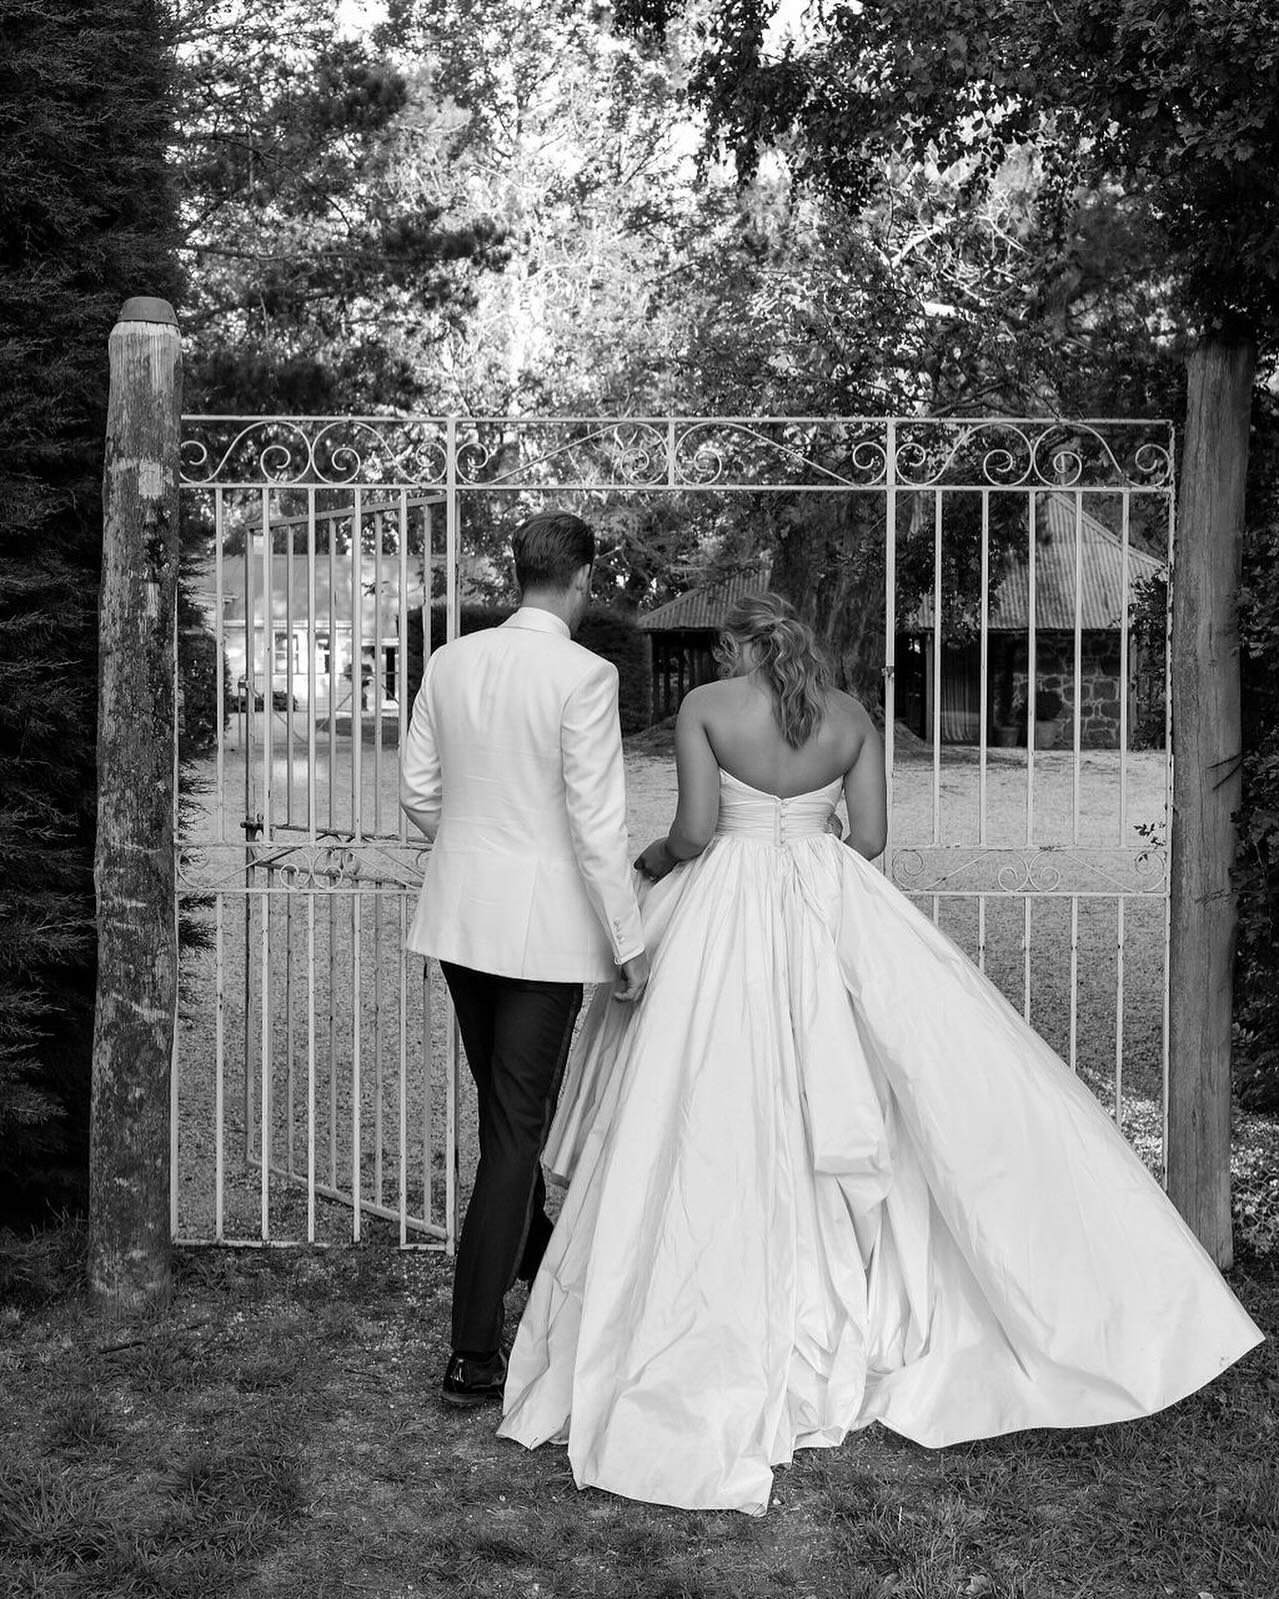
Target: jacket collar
536 620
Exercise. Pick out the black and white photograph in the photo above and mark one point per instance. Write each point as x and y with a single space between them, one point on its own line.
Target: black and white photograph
639 799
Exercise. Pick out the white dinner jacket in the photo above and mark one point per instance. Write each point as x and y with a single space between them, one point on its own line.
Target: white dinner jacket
513 768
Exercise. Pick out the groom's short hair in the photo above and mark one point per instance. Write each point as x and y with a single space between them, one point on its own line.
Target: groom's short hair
549 548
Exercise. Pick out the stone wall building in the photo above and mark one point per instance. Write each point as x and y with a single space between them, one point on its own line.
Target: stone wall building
1085 582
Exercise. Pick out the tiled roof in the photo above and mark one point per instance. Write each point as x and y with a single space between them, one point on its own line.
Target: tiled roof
1101 580
705 608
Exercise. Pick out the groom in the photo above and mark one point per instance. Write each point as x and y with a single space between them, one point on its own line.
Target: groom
513 768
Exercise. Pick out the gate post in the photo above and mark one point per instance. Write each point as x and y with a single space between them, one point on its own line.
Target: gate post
1207 752
135 1014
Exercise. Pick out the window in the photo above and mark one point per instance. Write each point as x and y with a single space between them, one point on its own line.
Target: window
286 652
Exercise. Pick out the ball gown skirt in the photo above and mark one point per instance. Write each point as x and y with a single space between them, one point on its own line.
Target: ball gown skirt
823 1174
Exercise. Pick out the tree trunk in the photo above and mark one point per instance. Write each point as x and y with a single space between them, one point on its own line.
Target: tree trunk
1206 786
830 565
129 1228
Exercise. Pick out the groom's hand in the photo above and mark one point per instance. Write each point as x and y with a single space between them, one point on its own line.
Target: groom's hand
633 980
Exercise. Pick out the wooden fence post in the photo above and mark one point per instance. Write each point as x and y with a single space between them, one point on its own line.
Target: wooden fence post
129 1226
1207 747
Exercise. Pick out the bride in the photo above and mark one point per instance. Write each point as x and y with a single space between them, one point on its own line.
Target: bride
824 1174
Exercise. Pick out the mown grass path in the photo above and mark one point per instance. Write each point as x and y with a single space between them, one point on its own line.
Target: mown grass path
278 1433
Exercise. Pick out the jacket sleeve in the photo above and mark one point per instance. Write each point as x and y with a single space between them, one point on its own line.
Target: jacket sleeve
421 779
595 795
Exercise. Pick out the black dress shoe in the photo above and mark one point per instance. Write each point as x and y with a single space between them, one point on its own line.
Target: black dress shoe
471 1381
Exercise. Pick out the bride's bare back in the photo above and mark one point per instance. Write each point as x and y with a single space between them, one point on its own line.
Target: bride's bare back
743 731
733 725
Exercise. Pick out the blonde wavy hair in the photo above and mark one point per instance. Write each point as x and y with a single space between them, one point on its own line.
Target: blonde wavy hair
787 657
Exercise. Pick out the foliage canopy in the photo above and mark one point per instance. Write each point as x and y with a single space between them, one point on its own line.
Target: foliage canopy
1178 105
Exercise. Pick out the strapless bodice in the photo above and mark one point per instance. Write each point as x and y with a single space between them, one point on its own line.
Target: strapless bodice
746 812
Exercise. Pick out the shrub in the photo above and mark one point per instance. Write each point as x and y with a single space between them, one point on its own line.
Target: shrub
615 636
198 673
612 634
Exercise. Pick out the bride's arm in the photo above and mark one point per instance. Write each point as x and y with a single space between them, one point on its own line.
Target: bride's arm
866 794
697 810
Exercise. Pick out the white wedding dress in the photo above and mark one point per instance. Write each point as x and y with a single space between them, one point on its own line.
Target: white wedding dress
822 1175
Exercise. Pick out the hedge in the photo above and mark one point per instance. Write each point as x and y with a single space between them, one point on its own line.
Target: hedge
612 634
87 219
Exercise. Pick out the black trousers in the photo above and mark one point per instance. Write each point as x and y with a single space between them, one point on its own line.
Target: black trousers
516 1033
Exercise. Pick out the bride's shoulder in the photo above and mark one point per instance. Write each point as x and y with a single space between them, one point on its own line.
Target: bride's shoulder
709 696
849 709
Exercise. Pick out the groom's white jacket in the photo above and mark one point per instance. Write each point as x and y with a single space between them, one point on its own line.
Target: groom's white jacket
513 768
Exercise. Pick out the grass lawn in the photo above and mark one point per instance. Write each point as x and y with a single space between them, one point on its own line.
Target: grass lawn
278 1432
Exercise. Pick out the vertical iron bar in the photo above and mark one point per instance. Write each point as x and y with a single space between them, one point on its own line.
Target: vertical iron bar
379 1075
219 658
428 1085
890 629
310 1066
250 831
1119 1013
1123 677
937 674
1074 982
1032 673
264 1127
983 731
288 699
1079 657
1169 757
220 834
219 1072
312 630
452 617
266 1108
402 966
1025 949
331 826
357 830
289 1084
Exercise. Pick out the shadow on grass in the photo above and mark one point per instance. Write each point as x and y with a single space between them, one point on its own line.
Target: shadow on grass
278 1432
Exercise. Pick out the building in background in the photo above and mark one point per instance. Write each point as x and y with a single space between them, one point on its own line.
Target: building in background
1119 679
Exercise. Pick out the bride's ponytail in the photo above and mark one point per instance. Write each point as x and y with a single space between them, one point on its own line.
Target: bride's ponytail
787 656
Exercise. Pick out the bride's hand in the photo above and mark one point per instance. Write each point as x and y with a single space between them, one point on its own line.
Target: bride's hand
834 826
654 862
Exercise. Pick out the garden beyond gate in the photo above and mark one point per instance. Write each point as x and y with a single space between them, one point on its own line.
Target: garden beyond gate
1024 567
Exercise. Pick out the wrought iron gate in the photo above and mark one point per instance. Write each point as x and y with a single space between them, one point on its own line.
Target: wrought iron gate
1022 563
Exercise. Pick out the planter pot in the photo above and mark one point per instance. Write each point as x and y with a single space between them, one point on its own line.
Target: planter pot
1006 736
1046 734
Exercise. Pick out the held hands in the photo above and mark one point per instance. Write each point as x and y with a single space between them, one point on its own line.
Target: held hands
834 826
633 979
654 862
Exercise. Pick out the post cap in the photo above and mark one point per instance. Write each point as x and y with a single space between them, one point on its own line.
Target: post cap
146 308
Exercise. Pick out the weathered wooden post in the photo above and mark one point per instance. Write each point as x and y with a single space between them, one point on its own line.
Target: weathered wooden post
129 1232
1207 747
